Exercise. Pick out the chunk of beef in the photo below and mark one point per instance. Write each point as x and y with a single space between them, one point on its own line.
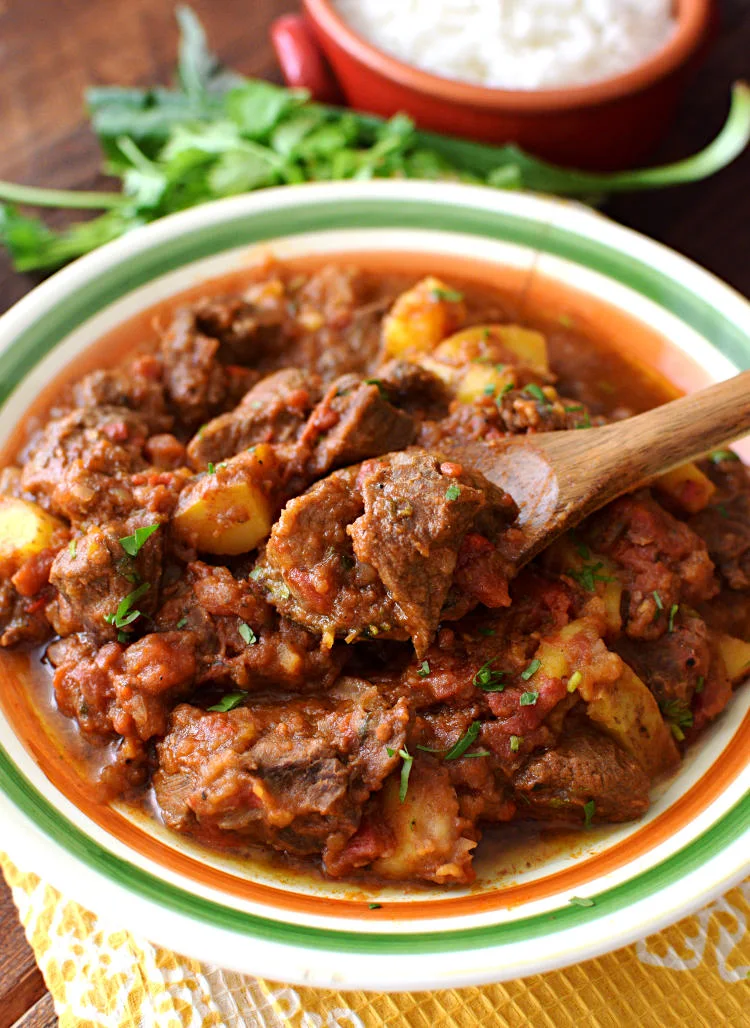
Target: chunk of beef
374 553
22 618
353 421
136 386
213 605
674 665
517 412
197 384
273 411
412 388
583 767
309 570
292 774
113 690
79 465
417 513
725 524
664 563
250 326
94 576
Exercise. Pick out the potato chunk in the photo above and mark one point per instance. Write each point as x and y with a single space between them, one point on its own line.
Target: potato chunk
426 828
421 317
687 487
615 697
25 530
496 344
736 656
229 510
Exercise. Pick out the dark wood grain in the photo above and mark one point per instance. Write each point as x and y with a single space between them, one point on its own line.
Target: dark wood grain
21 983
52 49
40 1015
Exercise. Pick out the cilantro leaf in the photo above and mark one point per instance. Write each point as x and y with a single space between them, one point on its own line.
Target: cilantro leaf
132 543
459 748
228 702
125 615
248 635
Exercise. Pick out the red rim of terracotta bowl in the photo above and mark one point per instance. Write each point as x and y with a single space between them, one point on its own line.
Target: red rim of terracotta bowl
693 22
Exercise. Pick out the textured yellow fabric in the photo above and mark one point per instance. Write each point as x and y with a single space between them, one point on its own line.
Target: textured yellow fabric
696 973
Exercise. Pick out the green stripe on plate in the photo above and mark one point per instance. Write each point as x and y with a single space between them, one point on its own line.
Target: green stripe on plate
128 876
102 289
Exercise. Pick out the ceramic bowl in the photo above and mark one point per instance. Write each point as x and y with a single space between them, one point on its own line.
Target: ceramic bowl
607 125
518 918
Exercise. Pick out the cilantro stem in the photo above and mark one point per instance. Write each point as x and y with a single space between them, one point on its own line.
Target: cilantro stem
35 196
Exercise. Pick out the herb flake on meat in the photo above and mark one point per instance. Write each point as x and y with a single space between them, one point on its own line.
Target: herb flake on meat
248 635
125 615
589 810
406 765
459 748
529 699
531 670
132 543
489 680
228 702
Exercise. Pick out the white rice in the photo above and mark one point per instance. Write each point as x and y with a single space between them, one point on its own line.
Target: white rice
515 44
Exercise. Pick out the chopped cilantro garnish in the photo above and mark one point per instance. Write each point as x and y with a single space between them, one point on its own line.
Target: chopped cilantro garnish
381 388
452 492
132 543
73 548
451 295
123 637
528 699
672 614
678 716
124 615
581 901
407 761
588 575
459 748
182 622
719 455
248 634
589 809
228 702
574 408
488 680
658 600
374 906
211 468
423 670
515 743
489 389
531 670
535 391
506 389
585 422
574 681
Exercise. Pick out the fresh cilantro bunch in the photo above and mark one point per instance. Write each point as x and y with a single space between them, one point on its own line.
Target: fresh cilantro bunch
217 134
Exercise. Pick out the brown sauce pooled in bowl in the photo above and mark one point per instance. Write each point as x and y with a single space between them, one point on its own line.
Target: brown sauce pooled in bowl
270 605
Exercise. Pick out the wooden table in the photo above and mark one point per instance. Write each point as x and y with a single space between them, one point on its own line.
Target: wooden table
49 51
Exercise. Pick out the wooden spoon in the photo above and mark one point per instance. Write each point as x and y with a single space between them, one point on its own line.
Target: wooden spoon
559 478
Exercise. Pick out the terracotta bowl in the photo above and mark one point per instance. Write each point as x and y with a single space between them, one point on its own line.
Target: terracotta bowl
609 124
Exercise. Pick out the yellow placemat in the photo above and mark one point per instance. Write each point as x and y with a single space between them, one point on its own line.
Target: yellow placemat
696 973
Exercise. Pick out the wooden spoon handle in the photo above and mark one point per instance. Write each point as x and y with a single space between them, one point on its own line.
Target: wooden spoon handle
649 444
